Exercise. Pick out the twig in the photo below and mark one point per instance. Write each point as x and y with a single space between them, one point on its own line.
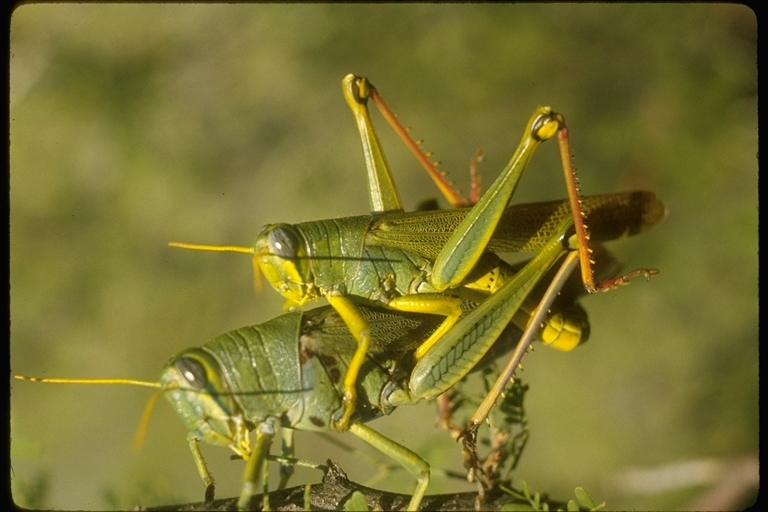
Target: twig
335 489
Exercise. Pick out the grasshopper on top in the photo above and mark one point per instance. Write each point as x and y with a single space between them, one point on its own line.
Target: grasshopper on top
423 262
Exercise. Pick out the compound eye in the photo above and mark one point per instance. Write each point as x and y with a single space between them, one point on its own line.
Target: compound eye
193 371
284 242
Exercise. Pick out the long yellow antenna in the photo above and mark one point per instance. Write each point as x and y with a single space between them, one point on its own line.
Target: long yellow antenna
227 248
130 382
142 429
216 248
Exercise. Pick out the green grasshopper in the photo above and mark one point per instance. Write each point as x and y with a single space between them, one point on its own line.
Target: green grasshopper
423 261
287 372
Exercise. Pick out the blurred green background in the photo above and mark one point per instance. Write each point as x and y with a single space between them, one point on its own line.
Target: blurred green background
136 125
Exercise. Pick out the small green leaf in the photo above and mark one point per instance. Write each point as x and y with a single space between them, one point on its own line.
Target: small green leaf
584 498
526 491
516 507
572 506
356 503
512 492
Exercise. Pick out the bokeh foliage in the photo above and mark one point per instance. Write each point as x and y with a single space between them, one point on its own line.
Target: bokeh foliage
135 125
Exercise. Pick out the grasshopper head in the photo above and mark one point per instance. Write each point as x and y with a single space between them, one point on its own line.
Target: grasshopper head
199 393
281 255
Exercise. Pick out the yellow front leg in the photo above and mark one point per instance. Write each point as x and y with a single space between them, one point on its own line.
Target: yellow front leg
432 303
435 304
361 331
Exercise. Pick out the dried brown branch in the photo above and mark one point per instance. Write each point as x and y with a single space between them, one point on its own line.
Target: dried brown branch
335 489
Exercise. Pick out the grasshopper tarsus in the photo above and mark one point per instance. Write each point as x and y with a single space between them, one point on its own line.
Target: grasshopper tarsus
341 423
210 491
610 284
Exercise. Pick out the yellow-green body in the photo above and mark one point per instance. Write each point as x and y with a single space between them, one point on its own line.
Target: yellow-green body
378 257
